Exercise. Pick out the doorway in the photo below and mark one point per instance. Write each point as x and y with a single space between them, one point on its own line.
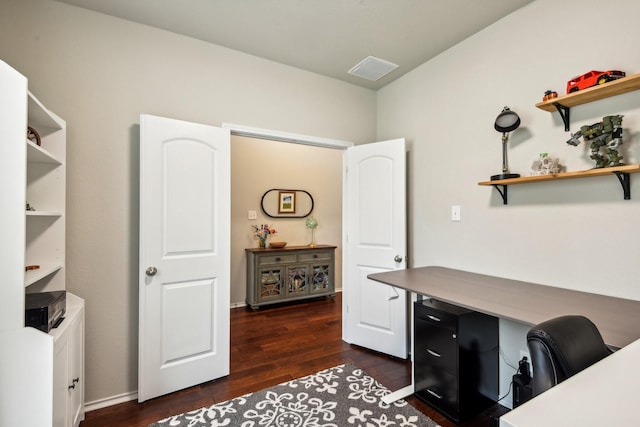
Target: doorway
263 160
298 167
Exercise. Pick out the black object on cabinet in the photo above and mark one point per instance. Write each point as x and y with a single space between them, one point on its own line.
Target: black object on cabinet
522 390
456 359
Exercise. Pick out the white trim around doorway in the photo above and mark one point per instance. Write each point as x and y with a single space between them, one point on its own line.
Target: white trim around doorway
274 135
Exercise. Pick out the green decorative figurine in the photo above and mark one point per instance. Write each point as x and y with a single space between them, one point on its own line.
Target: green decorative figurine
607 136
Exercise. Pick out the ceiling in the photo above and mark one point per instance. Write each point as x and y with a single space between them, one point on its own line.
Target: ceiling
327 37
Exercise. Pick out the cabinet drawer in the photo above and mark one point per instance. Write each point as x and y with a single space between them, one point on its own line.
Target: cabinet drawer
440 313
314 256
274 259
436 346
438 388
436 319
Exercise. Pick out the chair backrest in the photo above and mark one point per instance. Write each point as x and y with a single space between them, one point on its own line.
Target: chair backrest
562 347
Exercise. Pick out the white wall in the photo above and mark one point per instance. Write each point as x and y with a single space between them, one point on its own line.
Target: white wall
577 234
100 73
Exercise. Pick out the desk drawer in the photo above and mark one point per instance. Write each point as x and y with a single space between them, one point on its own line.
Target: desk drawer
275 259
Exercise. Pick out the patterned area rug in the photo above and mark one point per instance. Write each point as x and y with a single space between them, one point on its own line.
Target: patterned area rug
336 397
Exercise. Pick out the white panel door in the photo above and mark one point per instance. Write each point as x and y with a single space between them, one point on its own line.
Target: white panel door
375 314
184 255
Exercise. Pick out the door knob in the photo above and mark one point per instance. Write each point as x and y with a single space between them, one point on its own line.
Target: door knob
398 258
151 271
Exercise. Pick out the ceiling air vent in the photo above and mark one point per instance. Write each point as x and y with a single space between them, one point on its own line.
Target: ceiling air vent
372 68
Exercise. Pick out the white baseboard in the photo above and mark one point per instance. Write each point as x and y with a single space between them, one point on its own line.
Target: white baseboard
109 401
238 304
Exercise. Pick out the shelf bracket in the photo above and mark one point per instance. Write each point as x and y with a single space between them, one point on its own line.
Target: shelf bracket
564 113
502 191
625 181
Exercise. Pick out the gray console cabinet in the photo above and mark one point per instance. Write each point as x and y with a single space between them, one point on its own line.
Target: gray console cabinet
288 274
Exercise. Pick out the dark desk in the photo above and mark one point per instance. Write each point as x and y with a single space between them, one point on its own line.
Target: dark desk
574 402
618 319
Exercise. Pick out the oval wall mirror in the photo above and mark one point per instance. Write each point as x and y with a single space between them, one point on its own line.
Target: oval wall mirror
284 203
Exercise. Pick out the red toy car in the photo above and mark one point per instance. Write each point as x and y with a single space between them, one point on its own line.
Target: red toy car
593 78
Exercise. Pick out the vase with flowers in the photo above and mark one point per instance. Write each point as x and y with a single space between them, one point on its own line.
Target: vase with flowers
261 232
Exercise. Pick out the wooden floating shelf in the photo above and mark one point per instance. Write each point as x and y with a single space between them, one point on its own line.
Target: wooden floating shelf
563 104
565 175
622 172
595 93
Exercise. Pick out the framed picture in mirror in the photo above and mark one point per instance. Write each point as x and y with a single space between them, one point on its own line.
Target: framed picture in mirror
287 202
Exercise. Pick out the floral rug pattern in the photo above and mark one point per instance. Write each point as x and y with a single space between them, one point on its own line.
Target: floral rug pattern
336 397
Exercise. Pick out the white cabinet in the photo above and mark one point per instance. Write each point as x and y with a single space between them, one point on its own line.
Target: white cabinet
34 365
68 366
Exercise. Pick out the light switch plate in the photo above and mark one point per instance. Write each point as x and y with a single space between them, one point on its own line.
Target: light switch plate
455 213
252 215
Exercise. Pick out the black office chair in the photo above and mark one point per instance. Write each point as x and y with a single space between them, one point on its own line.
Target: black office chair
562 347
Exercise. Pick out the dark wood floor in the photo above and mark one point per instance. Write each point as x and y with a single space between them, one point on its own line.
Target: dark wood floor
270 346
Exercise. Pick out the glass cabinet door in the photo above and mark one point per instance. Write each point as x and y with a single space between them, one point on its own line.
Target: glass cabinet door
271 283
320 278
297 280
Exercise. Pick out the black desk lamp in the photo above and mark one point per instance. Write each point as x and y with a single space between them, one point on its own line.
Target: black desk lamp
506 122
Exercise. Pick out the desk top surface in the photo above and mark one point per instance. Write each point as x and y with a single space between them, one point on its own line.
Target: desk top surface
618 319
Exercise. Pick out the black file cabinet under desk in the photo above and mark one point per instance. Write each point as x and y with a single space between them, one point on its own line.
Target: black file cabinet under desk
456 359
